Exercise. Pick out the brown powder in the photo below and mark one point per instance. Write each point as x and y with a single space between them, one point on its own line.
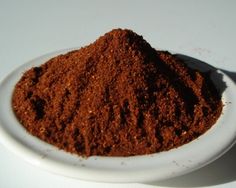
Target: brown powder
116 97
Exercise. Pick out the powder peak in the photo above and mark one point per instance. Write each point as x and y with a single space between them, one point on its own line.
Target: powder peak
124 40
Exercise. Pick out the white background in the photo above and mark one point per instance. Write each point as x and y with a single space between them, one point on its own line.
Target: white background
202 29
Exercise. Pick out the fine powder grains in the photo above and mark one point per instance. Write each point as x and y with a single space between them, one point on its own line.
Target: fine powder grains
116 97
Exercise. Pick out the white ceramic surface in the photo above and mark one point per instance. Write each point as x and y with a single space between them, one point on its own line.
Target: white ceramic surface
158 166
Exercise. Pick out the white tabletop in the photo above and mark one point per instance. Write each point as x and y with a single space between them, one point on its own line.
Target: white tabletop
202 29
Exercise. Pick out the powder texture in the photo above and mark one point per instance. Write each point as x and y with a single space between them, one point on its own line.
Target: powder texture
116 97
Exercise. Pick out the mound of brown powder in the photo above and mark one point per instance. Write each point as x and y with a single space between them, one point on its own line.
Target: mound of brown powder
116 97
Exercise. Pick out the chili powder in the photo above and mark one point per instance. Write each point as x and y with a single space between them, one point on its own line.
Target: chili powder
116 97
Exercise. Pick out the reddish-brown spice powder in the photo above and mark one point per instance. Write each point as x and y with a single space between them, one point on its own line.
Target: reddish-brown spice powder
116 97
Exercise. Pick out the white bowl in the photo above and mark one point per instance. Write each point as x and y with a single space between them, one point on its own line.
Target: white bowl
159 166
